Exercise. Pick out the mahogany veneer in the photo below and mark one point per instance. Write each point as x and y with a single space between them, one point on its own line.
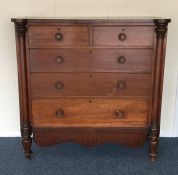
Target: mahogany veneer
90 81
91 59
89 84
90 112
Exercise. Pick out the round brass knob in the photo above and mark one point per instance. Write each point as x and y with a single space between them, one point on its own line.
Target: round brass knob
121 84
59 113
122 36
59 85
59 60
119 113
58 36
121 60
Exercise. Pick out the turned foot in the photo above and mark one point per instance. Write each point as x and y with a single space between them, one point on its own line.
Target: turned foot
27 147
154 142
26 140
153 148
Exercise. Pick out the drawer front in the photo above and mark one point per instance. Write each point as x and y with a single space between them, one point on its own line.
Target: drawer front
91 59
89 84
59 35
90 112
123 36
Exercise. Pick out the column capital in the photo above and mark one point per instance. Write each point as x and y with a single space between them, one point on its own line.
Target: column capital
161 27
21 27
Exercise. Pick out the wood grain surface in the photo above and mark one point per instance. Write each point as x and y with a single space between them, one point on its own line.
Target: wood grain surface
90 113
89 84
56 60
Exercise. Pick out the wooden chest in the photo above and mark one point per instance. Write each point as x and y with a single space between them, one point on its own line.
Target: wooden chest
90 81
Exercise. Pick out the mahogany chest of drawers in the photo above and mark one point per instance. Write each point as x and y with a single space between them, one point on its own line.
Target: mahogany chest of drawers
90 81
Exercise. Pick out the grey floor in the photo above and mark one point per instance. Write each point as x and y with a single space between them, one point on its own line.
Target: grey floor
74 159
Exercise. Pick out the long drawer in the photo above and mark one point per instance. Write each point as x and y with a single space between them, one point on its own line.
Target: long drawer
90 113
91 59
89 84
59 35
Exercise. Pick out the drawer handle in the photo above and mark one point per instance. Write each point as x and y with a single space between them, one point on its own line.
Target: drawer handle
59 85
58 36
59 60
120 113
59 113
121 60
121 84
122 36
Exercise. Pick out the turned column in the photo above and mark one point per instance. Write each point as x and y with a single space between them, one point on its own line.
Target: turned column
161 30
20 28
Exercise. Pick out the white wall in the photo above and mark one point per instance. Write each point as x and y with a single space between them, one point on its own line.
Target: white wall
176 113
9 108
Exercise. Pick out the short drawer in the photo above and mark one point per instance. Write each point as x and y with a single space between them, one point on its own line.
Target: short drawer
89 84
123 35
90 113
59 35
91 59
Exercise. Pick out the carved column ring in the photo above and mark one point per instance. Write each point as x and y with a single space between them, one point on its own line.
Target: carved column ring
26 131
